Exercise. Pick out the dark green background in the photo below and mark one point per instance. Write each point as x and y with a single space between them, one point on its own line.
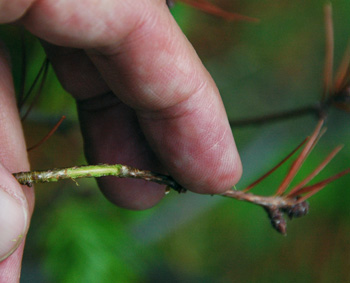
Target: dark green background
78 236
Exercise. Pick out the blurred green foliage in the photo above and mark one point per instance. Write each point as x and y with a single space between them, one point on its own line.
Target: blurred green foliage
91 245
77 236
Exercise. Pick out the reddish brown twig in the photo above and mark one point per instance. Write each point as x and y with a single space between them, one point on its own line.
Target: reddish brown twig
210 8
293 203
300 160
274 168
296 190
25 97
328 67
37 95
313 189
341 89
343 74
44 139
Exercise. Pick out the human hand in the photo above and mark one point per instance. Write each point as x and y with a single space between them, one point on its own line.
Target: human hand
144 99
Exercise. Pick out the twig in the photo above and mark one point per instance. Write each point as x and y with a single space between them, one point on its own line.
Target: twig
274 205
89 171
44 139
210 8
37 95
268 173
315 109
328 67
41 70
292 203
300 160
123 171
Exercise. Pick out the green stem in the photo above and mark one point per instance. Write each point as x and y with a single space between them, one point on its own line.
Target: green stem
95 171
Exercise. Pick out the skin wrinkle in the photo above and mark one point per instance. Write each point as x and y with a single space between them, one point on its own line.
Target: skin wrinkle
215 145
183 109
222 163
18 197
176 82
209 138
152 86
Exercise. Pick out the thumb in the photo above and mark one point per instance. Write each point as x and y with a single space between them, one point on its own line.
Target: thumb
16 204
13 214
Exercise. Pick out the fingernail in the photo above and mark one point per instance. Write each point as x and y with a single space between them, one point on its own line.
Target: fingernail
13 223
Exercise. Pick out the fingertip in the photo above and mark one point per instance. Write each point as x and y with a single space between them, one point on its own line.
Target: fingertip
214 172
227 176
195 142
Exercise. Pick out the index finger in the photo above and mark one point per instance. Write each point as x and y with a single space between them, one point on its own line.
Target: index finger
156 71
148 63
